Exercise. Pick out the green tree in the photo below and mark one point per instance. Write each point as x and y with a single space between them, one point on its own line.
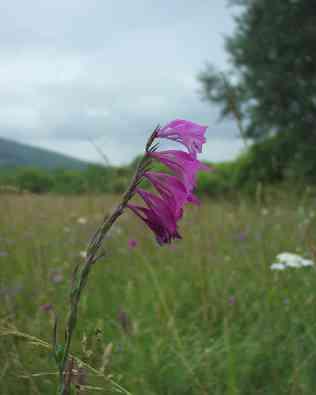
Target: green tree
68 181
98 178
34 180
271 86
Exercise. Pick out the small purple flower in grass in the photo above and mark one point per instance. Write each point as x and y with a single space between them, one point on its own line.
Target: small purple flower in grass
46 307
185 166
187 133
242 236
3 254
232 300
125 321
132 244
56 276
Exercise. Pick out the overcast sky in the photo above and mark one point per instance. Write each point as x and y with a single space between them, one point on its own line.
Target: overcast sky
107 71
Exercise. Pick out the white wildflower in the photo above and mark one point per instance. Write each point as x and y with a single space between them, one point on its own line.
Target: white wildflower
277 266
288 259
264 211
82 220
116 230
307 262
83 254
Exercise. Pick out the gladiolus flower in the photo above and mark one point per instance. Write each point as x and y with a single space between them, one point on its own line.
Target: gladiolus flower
162 212
187 133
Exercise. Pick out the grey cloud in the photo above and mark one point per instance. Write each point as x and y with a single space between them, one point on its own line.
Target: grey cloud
106 70
96 24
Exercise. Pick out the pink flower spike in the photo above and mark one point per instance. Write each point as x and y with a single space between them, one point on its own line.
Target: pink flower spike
183 165
187 133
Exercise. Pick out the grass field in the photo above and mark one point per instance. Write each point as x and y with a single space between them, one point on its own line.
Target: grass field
206 315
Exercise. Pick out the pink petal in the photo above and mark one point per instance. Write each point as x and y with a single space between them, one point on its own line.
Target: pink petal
153 222
183 165
187 133
161 208
172 190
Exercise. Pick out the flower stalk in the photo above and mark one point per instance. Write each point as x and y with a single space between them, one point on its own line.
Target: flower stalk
161 214
81 273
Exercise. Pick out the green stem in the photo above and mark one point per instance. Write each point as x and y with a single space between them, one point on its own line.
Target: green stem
81 272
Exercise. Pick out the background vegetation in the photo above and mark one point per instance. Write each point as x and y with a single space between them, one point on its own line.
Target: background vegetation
270 88
205 316
269 91
271 162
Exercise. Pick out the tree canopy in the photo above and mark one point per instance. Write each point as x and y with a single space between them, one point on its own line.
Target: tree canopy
271 85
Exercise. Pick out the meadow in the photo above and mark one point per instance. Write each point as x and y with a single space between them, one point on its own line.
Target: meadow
206 315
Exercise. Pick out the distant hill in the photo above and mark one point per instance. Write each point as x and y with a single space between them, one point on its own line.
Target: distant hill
13 154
